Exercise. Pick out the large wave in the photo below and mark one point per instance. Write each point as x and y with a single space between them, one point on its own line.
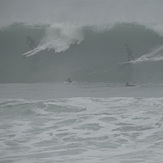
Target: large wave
84 53
58 37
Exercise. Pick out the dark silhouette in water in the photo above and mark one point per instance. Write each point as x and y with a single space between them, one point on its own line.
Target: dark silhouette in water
31 43
129 53
128 68
69 80
129 85
34 59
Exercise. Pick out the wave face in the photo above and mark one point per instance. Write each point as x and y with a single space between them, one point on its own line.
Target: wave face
84 53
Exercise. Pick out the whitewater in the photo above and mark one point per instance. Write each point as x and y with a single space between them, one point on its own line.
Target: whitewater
69 94
60 122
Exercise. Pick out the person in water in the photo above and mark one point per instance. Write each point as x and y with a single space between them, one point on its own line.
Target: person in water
129 53
69 80
34 59
31 42
128 85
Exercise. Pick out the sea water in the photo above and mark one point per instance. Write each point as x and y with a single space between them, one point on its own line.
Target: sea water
81 122
94 119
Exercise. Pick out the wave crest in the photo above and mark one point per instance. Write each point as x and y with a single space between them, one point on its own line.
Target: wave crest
97 57
59 37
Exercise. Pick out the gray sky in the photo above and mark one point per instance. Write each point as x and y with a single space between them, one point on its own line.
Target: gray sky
81 11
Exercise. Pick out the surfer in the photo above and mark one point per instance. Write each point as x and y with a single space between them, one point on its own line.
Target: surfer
129 53
69 80
129 68
31 42
129 85
35 59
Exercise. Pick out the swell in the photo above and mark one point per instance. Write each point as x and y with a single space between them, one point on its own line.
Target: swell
84 53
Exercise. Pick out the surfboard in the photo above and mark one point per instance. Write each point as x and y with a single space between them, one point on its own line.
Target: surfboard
31 52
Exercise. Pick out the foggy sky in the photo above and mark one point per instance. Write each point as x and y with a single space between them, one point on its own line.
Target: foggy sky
81 11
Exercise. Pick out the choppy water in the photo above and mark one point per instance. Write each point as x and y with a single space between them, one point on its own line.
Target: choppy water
97 126
85 121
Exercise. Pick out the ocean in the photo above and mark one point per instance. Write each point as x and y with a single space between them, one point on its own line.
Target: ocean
81 81
81 122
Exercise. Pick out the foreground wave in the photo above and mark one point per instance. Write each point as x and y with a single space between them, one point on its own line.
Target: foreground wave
82 130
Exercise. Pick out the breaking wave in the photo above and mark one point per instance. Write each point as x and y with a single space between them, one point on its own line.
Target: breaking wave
58 37
84 53
155 55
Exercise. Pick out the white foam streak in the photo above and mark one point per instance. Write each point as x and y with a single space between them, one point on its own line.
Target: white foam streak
58 37
34 51
155 55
